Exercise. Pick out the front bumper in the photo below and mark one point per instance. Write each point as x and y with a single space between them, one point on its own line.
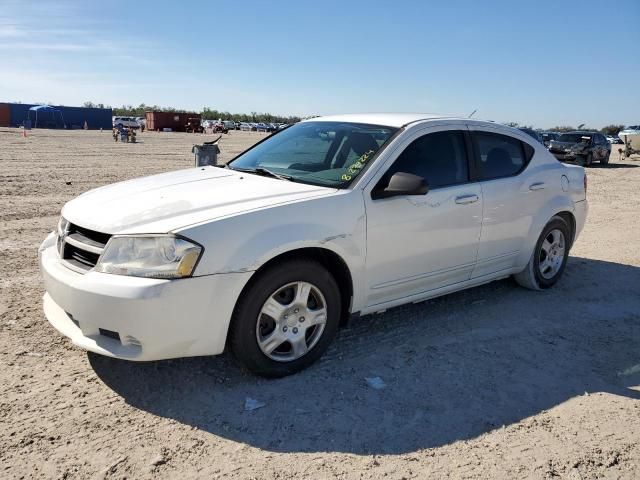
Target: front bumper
138 318
566 156
570 156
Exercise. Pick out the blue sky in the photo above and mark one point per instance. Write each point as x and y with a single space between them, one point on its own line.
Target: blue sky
542 62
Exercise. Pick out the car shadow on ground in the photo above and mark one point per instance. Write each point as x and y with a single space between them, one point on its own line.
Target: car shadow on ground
454 368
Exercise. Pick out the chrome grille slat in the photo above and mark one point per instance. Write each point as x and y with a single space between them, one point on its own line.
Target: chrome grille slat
84 243
80 248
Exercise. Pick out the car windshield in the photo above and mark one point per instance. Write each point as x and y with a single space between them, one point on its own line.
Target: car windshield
330 154
572 137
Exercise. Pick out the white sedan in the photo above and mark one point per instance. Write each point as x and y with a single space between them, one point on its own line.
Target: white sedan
331 217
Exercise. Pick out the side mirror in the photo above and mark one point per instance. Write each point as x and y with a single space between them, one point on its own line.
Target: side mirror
402 183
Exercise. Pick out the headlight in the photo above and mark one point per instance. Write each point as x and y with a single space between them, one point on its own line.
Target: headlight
150 256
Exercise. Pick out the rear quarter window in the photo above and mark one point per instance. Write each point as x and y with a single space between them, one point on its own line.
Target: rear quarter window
500 156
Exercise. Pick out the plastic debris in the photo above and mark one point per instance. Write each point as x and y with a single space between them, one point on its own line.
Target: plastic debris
252 404
376 382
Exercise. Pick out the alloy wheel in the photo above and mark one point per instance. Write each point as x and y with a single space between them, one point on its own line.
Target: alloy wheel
291 321
551 255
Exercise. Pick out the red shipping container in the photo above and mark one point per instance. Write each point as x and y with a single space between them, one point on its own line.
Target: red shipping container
5 115
176 121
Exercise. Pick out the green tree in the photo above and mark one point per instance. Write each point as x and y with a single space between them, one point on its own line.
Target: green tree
563 128
612 130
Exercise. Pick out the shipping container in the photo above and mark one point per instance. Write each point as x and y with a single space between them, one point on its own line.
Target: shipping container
19 112
176 121
72 117
5 115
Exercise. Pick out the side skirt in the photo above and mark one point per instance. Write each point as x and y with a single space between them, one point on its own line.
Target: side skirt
421 297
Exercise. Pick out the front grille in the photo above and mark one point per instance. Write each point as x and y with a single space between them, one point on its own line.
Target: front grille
80 248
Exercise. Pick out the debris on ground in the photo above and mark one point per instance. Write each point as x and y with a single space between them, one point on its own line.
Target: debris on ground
252 404
375 382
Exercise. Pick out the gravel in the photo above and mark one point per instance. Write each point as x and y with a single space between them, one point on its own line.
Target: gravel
486 383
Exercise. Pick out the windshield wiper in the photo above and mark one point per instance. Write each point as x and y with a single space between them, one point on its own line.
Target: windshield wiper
265 173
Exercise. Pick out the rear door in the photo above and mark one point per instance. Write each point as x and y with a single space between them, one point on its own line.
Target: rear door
511 193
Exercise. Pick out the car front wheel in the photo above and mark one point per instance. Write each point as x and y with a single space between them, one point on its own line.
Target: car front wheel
286 318
549 258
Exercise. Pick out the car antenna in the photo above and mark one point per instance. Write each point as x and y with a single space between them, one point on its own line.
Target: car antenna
580 126
472 113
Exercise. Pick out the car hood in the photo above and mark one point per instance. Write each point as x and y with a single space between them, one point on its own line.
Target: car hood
170 201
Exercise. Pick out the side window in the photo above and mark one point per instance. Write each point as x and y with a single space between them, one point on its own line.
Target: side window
500 155
440 158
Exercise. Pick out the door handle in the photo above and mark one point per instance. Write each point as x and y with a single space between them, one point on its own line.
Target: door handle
466 199
537 186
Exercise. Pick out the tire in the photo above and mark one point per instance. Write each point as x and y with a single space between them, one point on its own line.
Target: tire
588 160
605 159
291 336
540 274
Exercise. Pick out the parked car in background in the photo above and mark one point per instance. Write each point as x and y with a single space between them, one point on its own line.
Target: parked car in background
403 208
614 140
245 127
130 122
532 133
262 127
581 147
548 136
194 125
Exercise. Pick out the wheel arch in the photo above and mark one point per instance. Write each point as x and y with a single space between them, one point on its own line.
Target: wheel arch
329 259
558 207
569 218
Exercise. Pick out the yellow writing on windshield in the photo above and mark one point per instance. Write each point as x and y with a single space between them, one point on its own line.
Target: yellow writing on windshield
355 167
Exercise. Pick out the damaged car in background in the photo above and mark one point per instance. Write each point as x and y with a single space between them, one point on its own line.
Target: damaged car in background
330 218
581 147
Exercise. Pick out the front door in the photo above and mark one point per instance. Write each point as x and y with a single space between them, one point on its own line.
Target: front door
418 243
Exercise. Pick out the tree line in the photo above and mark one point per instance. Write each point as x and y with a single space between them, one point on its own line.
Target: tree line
212 114
207 113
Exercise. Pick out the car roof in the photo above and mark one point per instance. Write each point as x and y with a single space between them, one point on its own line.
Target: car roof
386 119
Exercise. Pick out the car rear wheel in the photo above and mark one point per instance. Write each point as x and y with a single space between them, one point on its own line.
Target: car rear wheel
605 159
286 318
549 258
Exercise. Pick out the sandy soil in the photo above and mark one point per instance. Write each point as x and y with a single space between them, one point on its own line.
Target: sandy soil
494 382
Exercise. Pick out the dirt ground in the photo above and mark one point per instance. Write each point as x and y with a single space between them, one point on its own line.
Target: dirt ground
494 382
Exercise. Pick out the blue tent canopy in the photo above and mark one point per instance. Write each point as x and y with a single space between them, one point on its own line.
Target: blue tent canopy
46 116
